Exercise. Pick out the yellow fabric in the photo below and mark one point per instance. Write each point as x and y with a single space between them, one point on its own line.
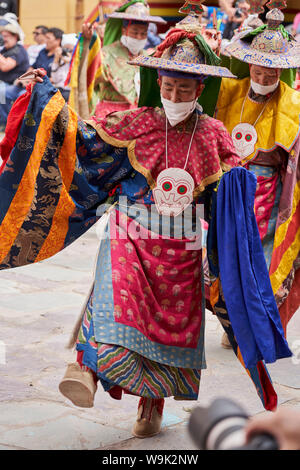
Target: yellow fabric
286 264
278 126
282 229
214 292
286 245
93 54
73 99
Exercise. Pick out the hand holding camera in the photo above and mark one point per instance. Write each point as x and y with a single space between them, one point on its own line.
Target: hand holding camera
222 426
62 55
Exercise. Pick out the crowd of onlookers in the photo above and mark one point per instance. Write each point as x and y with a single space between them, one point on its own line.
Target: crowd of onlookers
52 49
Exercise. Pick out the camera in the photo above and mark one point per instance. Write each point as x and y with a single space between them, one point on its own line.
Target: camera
221 427
65 51
238 13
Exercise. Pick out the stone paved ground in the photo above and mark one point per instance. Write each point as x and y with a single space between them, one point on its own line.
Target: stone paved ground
38 307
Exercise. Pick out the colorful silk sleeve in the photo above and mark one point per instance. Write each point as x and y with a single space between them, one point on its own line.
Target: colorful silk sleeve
231 245
285 263
58 173
13 126
244 274
85 70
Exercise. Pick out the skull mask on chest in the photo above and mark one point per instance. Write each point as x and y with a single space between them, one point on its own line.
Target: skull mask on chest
244 137
174 191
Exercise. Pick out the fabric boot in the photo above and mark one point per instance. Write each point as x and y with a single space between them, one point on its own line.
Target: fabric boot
149 418
79 385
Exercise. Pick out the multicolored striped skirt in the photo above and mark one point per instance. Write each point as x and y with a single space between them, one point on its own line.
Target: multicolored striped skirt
116 366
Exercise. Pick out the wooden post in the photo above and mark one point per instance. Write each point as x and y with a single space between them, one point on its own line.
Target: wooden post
79 15
101 14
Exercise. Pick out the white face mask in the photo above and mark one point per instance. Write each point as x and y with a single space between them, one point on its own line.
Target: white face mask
177 112
263 89
135 46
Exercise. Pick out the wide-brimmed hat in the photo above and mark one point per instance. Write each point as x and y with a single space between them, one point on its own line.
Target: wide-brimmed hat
134 10
138 11
12 28
268 46
184 50
252 23
69 39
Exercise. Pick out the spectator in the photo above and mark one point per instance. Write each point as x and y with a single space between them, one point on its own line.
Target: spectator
236 17
39 35
10 18
153 39
46 56
221 18
13 63
8 6
226 6
61 62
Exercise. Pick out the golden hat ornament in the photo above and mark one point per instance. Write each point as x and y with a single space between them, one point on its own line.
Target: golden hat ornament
184 57
193 7
138 11
271 47
185 51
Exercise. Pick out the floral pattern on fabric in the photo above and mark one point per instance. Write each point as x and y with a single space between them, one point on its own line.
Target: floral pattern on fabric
117 79
266 205
156 284
147 128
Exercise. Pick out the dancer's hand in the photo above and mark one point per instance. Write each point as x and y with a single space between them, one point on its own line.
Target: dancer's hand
87 30
33 76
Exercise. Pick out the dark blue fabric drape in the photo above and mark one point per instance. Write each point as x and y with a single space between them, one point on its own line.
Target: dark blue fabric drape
244 274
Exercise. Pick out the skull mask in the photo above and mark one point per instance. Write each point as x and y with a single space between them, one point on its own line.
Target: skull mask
174 191
244 137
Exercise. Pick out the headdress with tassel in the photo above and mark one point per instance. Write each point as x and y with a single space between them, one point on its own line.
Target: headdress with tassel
184 50
269 45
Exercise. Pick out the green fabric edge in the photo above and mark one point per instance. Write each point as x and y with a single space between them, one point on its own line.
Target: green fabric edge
241 70
150 91
113 28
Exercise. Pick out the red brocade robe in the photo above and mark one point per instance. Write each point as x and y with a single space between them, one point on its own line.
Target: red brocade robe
147 307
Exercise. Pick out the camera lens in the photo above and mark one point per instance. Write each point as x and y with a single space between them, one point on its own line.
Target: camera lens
227 434
220 426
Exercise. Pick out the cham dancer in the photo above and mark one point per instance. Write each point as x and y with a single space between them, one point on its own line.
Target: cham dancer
142 331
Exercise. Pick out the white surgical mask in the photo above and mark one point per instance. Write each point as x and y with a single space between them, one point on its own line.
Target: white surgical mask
177 112
263 89
134 45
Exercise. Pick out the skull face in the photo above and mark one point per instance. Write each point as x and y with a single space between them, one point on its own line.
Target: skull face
174 191
244 137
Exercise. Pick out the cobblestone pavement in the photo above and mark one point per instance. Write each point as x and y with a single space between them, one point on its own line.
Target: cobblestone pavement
38 307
